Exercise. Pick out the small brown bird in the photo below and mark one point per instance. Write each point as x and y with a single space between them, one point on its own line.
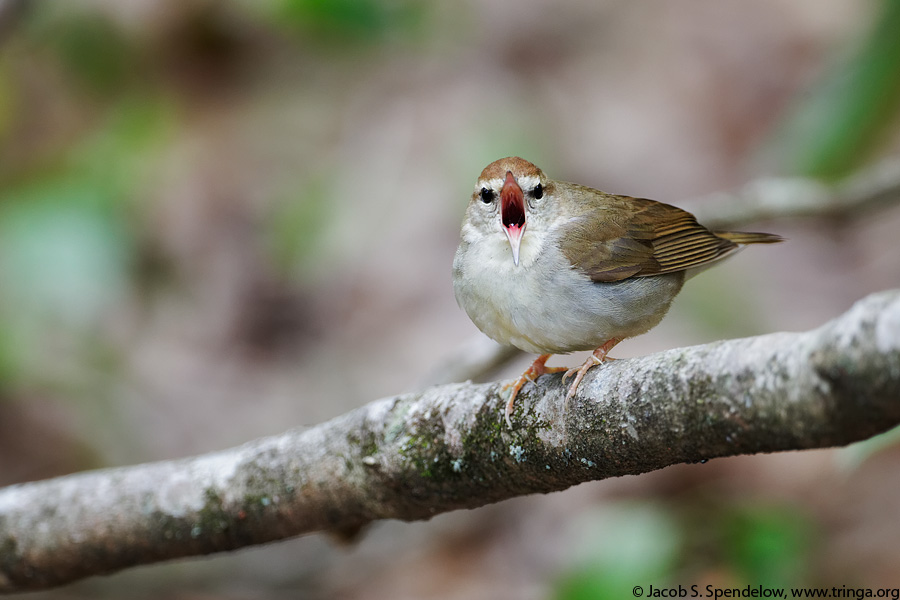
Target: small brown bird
552 267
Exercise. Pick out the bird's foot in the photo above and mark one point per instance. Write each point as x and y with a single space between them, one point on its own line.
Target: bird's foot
537 368
597 356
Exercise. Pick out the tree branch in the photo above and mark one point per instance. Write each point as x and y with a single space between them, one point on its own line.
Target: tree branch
479 358
417 455
779 198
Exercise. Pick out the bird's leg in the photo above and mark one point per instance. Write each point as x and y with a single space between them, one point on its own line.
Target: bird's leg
537 368
597 356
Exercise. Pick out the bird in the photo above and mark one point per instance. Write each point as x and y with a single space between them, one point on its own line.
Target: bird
552 267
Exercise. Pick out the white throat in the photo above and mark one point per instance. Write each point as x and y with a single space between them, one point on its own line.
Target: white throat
495 250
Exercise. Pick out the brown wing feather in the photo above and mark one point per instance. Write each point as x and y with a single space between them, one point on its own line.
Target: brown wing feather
634 237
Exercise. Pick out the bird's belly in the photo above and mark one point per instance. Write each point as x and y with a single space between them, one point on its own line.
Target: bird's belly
554 309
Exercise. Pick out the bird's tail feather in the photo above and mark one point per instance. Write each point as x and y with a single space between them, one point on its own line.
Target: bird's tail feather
746 237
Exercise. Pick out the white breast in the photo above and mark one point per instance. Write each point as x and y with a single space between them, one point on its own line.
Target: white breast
545 306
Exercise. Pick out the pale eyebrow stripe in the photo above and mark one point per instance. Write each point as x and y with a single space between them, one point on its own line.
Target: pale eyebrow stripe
529 181
494 183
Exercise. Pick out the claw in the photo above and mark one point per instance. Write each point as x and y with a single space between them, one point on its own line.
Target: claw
536 369
597 356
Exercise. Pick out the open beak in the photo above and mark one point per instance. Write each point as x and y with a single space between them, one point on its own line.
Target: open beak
512 213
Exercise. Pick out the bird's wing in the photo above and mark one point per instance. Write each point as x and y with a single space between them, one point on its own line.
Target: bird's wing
621 237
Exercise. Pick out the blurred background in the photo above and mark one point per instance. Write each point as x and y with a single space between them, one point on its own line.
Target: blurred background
221 219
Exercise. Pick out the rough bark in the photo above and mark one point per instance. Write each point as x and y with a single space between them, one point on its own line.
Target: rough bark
416 455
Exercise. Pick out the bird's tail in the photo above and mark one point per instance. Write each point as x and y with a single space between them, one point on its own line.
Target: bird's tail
746 237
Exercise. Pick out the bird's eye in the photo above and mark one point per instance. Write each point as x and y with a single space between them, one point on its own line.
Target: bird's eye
487 196
538 192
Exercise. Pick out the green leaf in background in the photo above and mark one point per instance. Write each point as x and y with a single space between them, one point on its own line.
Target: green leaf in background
769 545
363 20
60 261
62 268
840 125
91 49
67 241
120 157
64 233
618 547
